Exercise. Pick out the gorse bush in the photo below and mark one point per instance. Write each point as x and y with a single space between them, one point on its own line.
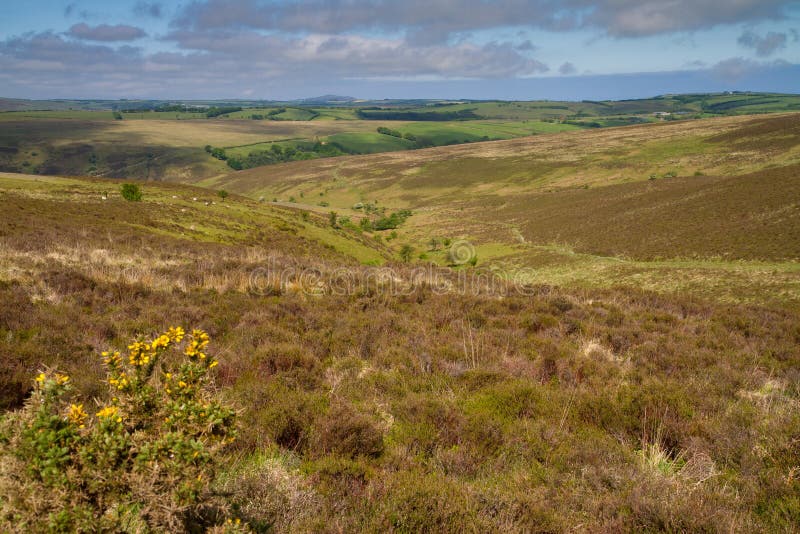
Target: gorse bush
142 460
131 192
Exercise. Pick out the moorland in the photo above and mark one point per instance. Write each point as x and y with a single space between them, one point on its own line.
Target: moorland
622 357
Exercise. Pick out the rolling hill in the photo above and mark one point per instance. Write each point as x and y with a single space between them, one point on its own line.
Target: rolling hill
705 206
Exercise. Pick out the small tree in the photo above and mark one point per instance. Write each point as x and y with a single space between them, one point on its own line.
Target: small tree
131 192
333 219
222 194
406 252
144 461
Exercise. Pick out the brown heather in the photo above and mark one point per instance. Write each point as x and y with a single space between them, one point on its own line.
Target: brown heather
599 410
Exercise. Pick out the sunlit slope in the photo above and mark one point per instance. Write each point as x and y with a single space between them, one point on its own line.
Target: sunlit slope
53 216
715 188
720 146
711 206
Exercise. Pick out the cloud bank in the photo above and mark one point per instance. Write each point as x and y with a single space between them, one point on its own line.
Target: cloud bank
272 49
105 32
437 20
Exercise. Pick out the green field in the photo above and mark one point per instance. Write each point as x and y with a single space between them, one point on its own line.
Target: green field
470 131
369 143
170 145
707 104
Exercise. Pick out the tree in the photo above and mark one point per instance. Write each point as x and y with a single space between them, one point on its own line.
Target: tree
131 192
222 194
406 252
333 219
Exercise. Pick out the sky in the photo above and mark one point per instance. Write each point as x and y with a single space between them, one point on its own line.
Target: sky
374 49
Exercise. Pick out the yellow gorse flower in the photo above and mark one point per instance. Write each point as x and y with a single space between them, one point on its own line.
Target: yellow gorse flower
175 333
109 412
195 348
77 415
120 381
112 359
40 378
139 353
61 379
161 341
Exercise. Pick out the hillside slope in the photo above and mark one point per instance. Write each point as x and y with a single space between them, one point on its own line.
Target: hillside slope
708 206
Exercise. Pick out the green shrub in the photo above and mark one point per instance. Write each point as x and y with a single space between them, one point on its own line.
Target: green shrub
131 192
145 460
406 252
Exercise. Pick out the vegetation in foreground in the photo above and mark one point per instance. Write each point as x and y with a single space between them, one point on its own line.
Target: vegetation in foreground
415 410
144 461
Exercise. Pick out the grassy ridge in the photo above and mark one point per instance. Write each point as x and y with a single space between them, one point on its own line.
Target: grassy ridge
751 217
174 149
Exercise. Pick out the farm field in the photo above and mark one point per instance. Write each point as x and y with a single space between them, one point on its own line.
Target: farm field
165 145
170 144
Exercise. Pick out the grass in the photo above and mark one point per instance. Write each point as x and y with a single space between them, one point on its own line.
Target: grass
296 114
470 131
167 145
615 113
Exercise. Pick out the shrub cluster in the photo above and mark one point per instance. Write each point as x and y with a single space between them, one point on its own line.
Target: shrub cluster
131 192
142 460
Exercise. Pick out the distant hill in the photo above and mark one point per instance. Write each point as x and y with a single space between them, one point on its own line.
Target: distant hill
14 104
327 99
706 103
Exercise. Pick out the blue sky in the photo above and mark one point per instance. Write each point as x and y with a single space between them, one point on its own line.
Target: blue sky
510 49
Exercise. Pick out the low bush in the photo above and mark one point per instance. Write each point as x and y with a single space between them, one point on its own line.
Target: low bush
144 460
131 192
